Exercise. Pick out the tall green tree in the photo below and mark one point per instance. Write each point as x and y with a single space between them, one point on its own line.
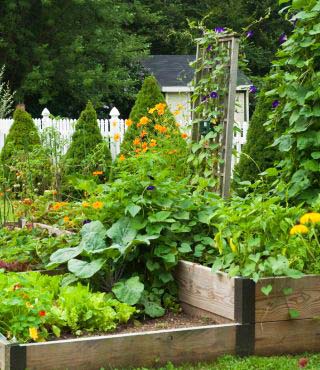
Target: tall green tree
62 53
168 30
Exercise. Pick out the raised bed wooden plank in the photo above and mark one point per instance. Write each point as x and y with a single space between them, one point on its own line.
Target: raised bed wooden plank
133 350
4 353
199 287
52 230
281 337
305 298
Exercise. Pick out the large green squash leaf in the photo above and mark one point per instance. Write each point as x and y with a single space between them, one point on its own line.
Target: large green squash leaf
65 254
83 269
122 233
93 237
129 291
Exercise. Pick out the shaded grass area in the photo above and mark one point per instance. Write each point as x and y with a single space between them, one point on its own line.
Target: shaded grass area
253 363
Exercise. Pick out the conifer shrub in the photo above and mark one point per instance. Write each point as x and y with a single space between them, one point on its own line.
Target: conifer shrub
257 155
148 97
158 144
23 135
26 165
87 144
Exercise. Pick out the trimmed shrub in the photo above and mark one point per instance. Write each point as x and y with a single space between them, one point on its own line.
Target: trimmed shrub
23 136
157 141
27 167
256 154
149 95
86 141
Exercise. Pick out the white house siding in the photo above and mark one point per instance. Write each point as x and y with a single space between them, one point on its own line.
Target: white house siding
180 102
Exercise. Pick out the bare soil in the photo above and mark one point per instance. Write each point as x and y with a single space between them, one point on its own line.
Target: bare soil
169 321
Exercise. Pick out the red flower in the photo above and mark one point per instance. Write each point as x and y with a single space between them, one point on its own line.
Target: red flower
303 362
42 313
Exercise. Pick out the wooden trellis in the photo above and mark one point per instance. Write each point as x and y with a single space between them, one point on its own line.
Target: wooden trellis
231 42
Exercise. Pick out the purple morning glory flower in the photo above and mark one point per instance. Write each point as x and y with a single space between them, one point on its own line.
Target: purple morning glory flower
213 95
219 30
151 187
253 89
283 38
275 103
204 98
209 48
84 222
250 34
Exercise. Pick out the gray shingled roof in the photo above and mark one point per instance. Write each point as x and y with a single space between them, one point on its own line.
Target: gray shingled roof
174 70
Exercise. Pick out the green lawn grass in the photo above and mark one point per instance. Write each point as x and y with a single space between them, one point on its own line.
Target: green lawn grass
252 363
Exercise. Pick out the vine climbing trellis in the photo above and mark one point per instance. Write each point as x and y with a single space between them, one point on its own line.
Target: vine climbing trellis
213 101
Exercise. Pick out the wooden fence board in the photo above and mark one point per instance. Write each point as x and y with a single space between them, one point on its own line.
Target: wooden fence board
281 337
133 350
305 298
199 287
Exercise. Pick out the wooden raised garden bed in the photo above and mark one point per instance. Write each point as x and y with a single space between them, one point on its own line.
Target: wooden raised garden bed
267 327
248 322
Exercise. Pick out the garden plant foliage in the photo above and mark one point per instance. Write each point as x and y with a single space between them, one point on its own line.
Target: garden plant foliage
296 75
257 155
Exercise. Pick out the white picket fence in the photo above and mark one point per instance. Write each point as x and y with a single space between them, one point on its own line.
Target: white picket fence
112 129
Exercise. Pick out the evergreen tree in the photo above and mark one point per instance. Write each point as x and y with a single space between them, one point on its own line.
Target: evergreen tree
26 165
23 136
257 155
149 96
86 140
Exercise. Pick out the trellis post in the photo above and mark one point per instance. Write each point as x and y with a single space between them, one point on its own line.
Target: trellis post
232 43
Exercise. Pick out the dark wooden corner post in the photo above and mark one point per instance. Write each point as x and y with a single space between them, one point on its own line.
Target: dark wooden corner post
244 312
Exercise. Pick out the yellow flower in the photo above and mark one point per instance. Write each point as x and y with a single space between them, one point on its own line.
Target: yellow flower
160 108
151 110
299 229
128 122
116 137
232 246
33 332
153 143
85 204
143 134
97 205
144 120
176 113
66 219
122 157
136 141
114 123
312 217
29 305
160 128
58 205
180 107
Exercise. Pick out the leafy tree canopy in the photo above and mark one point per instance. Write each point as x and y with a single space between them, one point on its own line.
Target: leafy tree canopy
61 53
